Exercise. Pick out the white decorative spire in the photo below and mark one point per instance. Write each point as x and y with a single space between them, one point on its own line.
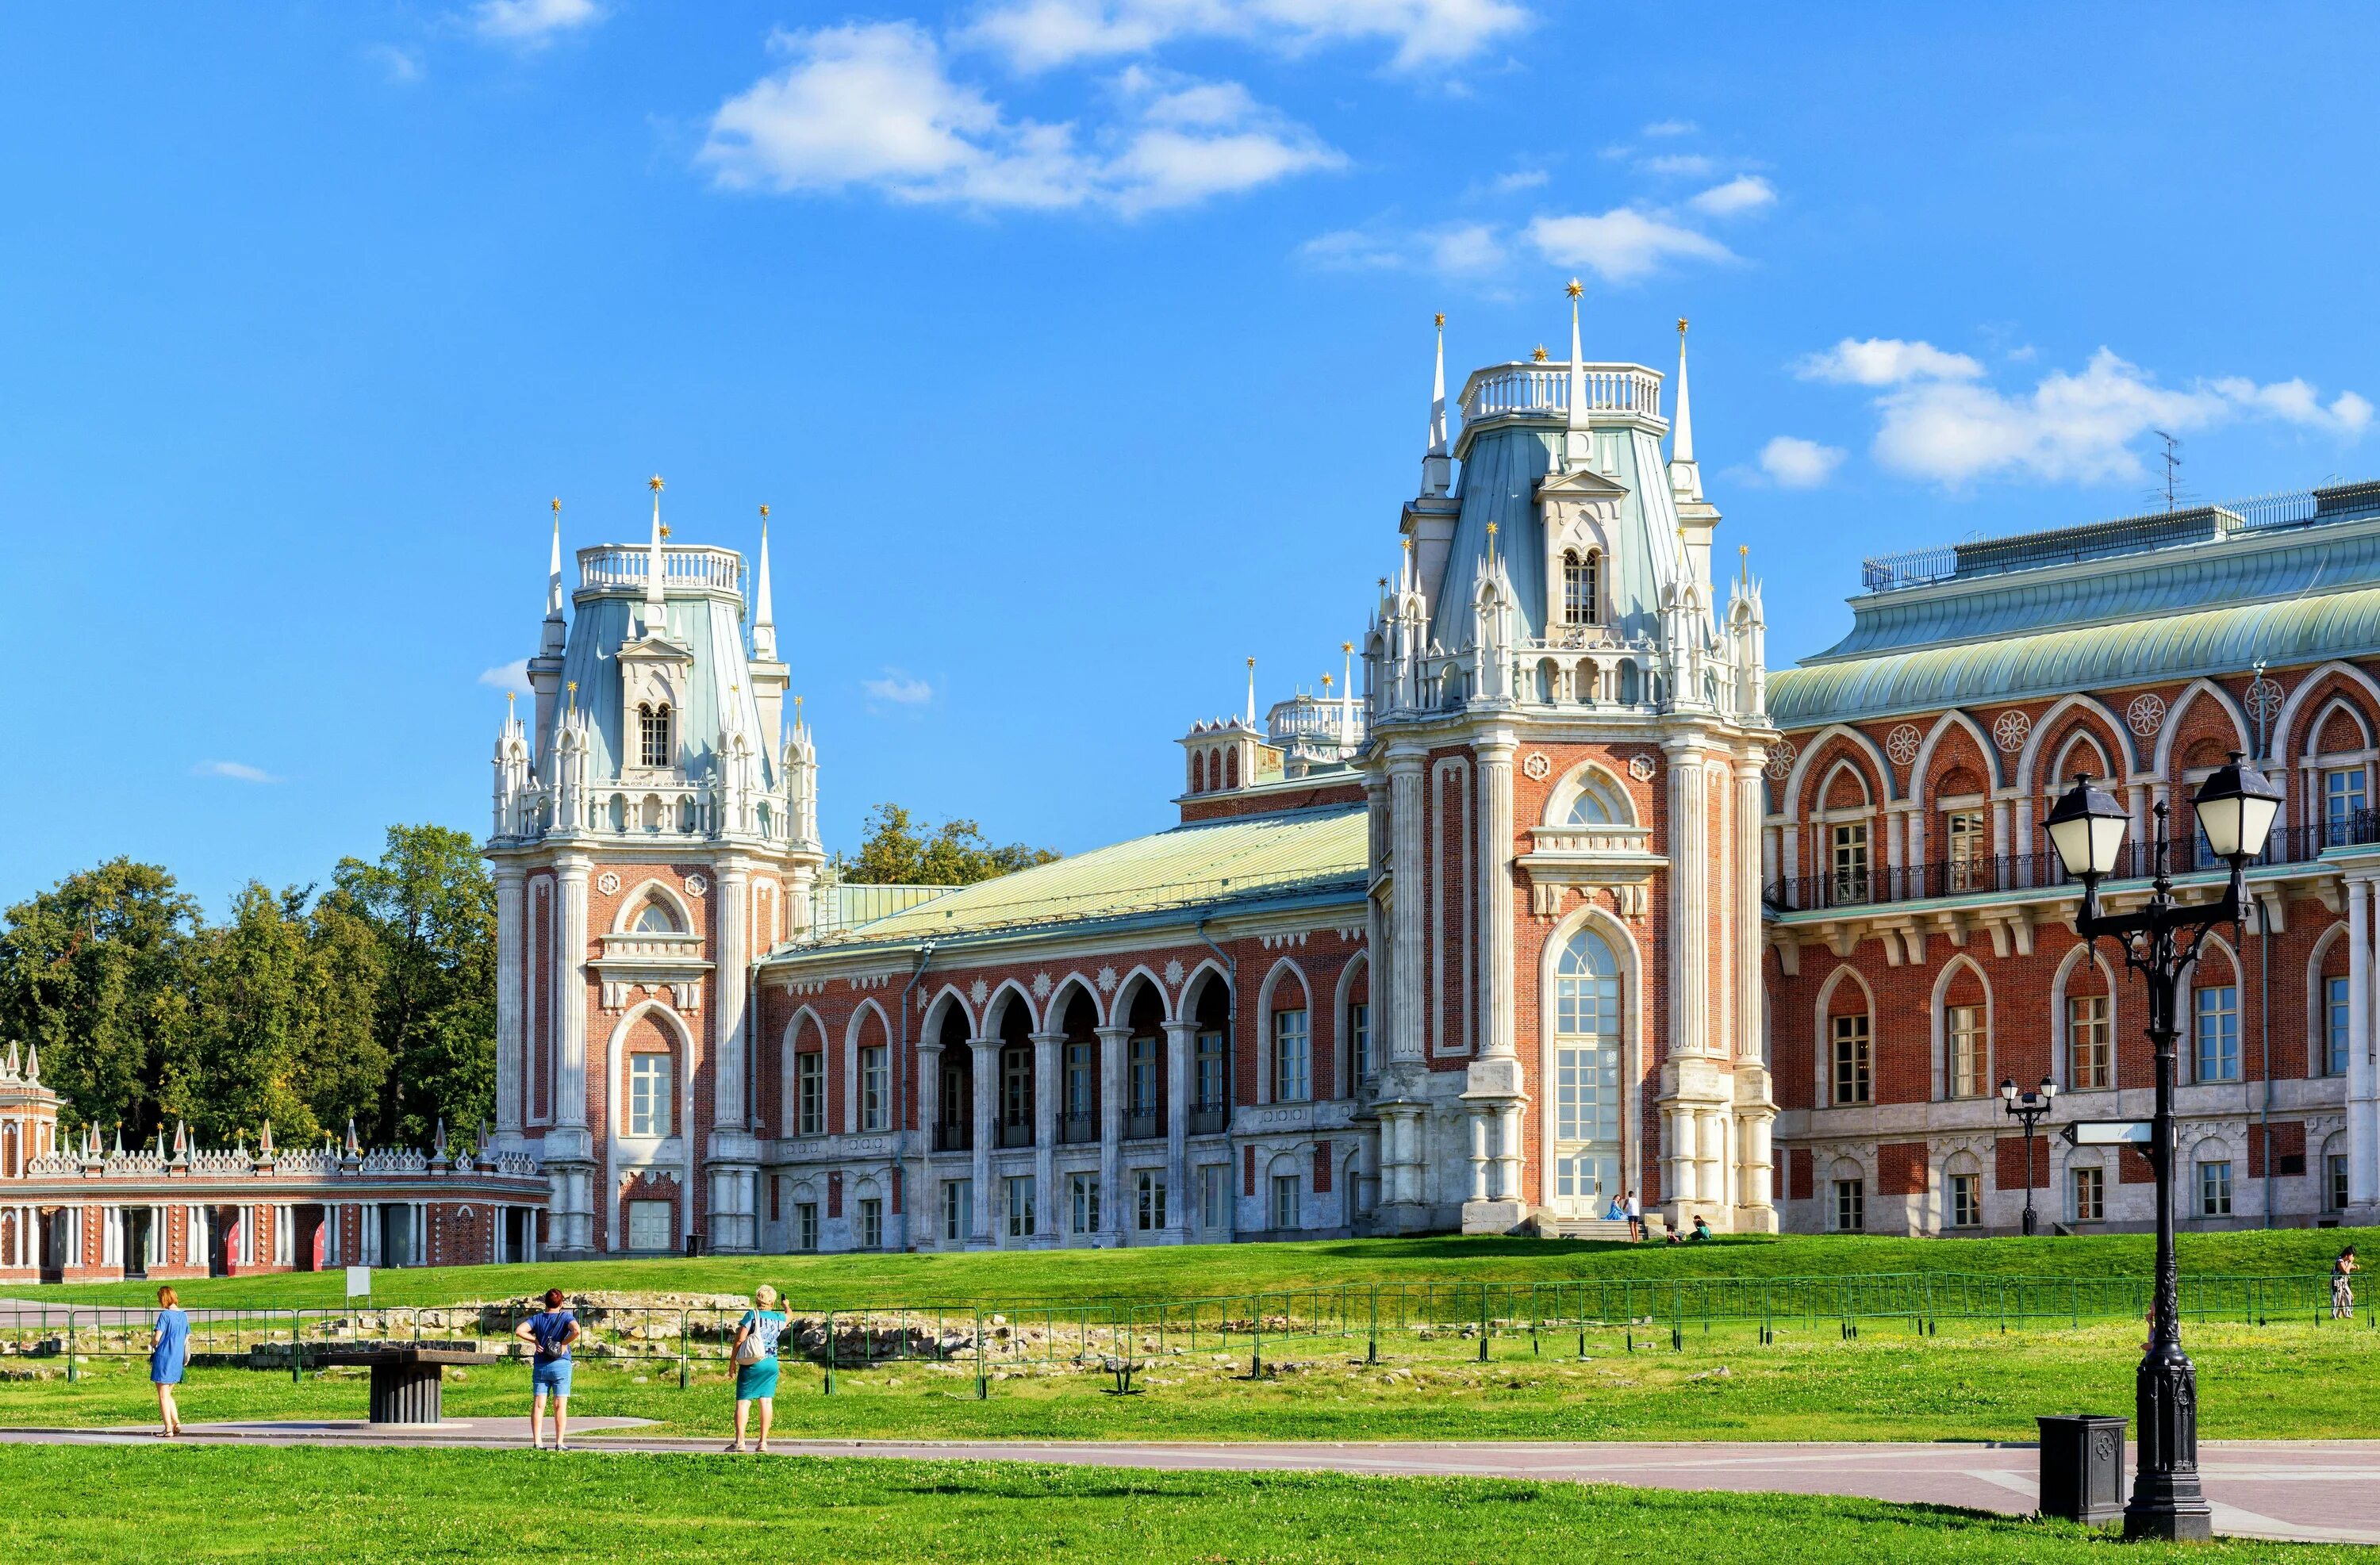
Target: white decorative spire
1252 692
1347 692
764 618
1685 474
1436 468
1574 440
656 608
554 570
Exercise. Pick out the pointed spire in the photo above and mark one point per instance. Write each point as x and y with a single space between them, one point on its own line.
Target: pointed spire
1252 692
554 568
1576 447
656 608
33 1063
1436 468
265 1141
1685 474
764 616
1347 692
181 1141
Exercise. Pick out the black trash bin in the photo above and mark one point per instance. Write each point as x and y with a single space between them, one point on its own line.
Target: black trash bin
694 1243
2082 1468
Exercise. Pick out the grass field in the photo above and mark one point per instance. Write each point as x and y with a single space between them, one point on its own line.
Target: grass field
2268 1382
363 1507
1196 1271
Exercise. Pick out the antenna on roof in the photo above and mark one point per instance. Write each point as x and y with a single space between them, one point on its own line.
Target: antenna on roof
2172 460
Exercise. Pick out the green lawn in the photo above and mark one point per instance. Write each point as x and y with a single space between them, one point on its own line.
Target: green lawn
2271 1382
1197 1271
200 1505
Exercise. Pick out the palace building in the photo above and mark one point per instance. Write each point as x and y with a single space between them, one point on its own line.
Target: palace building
1575 899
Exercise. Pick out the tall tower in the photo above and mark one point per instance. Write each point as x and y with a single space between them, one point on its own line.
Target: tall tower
652 837
1562 755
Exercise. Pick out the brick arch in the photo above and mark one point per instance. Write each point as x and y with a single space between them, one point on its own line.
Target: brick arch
2340 728
2054 727
1960 733
2204 711
1817 759
1844 992
2312 693
1961 982
1061 1001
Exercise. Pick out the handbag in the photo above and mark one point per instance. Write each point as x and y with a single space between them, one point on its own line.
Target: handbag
748 1350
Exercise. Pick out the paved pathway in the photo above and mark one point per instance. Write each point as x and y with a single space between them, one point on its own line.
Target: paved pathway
2316 1491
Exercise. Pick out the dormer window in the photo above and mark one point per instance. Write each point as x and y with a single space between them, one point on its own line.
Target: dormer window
1579 585
653 735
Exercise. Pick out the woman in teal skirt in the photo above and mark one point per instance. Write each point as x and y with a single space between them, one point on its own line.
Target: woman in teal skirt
756 1363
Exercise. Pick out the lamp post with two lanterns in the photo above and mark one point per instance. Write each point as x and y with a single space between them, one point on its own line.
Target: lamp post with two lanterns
2030 1107
2234 808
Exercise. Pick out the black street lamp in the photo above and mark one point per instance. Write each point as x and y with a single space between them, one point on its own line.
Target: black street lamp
2235 808
2030 1107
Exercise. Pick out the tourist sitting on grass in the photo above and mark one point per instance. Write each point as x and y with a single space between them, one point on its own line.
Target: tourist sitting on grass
2342 1291
551 1331
756 1363
167 1357
1702 1230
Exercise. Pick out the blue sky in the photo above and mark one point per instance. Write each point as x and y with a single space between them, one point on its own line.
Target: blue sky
1080 349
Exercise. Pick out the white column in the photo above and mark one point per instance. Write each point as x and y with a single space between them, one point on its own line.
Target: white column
1478 1155
1750 1001
2362 1176
1508 1154
1495 856
1689 871
1405 867
925 1217
1046 1216
1111 1194
1180 1039
570 981
1710 1156
731 916
987 1130
511 1058
1682 1188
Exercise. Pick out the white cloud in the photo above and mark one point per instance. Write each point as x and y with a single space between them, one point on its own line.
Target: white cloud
1794 463
1039 34
872 106
1746 192
1521 179
238 771
1678 166
1621 245
1937 420
511 676
1459 249
1671 127
402 67
1886 361
532 23
900 689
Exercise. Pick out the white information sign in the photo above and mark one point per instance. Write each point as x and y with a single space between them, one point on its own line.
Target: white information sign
2110 1133
360 1282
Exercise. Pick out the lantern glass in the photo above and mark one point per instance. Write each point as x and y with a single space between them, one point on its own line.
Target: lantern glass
2235 808
2086 826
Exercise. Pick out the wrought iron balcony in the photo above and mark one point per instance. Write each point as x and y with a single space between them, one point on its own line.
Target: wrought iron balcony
954 1139
1143 1127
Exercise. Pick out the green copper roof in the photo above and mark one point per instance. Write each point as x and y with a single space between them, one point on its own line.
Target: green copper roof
1212 864
2129 651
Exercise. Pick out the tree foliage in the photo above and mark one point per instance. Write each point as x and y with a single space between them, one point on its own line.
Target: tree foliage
374 1001
901 852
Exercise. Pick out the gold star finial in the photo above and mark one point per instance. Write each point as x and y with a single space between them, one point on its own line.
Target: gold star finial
654 484
510 696
1346 646
764 510
664 529
1681 325
1573 290
1491 530
1538 353
557 505
1439 319
1326 683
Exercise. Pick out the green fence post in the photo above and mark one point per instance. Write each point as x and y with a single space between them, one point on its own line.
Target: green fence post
982 1386
1372 1342
1483 1323
294 1317
830 1353
71 1375
1255 1336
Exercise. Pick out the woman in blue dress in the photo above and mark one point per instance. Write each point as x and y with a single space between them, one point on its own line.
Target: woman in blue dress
167 1357
756 1363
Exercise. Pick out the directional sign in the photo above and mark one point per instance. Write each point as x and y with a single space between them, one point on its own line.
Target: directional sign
2110 1133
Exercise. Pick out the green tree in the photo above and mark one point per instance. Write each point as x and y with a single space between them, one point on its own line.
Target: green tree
897 851
253 1014
96 971
431 907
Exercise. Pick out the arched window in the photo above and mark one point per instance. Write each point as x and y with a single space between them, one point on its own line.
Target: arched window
1231 769
1586 1075
1198 771
656 919
653 734
650 1089
1595 806
1579 586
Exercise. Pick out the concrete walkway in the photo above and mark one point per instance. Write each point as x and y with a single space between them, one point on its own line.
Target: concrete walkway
2312 1491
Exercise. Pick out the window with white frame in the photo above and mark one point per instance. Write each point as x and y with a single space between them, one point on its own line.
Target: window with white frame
1850 1059
809 1078
1213 1072
1081 1070
958 1209
2215 1187
805 1226
875 1087
1292 1057
2334 1182
1966 1200
871 1222
1359 1041
1579 585
653 734
1967 842
2090 1194
1849 841
1284 1202
1149 1204
1963 1033
1214 1196
649 1096
1141 1078
2090 1046
1851 1205
1083 1199
2342 801
2216 1029
1020 1207
2333 1060
649 1225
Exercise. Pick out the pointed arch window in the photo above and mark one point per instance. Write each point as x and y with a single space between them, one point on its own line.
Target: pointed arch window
1595 804
1586 1075
1581 581
653 734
